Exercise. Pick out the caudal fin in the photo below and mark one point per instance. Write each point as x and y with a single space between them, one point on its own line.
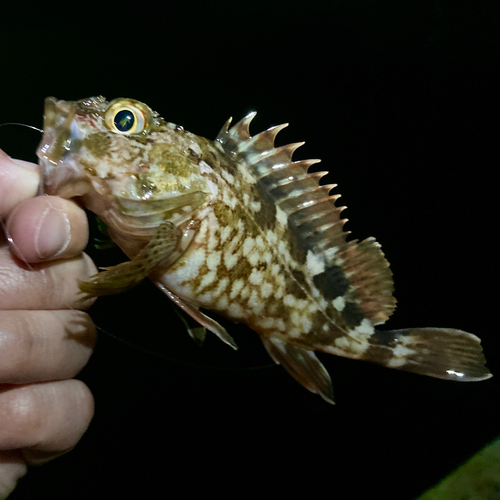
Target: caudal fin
437 352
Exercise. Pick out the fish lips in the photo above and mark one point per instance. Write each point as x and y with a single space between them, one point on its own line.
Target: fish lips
64 179
60 172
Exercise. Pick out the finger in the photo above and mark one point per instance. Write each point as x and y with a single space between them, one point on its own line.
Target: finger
18 181
12 468
45 419
47 228
36 346
48 285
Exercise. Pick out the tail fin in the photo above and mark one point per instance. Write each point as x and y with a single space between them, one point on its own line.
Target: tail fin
437 352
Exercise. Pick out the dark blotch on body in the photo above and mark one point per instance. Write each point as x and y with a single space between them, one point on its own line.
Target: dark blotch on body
224 216
331 282
352 314
293 288
266 216
297 250
383 338
301 279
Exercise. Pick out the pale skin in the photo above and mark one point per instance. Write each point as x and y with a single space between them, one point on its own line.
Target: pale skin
46 338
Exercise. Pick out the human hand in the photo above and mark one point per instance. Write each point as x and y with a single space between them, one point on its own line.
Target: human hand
45 337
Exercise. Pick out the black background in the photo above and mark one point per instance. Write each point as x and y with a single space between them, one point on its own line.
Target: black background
400 100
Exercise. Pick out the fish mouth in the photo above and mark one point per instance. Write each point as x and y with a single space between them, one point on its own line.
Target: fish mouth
60 173
57 128
64 180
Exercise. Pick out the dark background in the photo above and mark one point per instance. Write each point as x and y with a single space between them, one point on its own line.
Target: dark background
400 100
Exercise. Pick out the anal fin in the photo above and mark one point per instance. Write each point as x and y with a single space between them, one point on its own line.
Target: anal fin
302 365
196 331
443 353
209 323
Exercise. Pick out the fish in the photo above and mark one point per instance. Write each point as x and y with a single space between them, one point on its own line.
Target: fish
237 227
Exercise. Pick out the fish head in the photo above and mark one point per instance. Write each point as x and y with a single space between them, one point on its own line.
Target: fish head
131 167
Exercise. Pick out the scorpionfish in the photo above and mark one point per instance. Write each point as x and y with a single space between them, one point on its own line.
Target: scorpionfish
237 227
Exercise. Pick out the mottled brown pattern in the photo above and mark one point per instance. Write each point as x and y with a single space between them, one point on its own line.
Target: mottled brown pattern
245 261
224 216
170 159
98 144
297 251
322 337
300 278
295 287
213 157
265 218
338 318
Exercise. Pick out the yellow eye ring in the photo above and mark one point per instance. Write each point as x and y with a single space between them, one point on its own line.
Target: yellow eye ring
127 117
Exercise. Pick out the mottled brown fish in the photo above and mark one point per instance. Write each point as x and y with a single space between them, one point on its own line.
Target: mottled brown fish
235 226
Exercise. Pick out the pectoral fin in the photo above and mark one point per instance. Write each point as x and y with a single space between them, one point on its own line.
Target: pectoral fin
302 365
126 275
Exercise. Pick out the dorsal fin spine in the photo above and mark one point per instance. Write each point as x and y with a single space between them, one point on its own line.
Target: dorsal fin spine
315 176
283 171
312 215
241 130
279 155
263 141
225 127
302 199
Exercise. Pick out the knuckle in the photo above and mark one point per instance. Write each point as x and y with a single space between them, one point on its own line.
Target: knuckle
21 418
16 344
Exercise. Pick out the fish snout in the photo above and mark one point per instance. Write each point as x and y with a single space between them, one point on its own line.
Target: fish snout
61 174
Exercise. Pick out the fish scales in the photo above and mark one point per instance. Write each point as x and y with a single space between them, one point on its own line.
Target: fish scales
238 227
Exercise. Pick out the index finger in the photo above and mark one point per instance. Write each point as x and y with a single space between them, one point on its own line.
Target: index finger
18 181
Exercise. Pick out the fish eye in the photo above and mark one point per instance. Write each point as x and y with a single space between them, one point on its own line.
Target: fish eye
124 120
127 117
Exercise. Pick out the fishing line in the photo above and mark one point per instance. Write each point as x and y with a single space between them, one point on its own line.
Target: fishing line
180 361
22 125
14 246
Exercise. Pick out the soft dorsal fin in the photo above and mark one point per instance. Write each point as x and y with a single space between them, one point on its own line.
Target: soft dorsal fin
358 269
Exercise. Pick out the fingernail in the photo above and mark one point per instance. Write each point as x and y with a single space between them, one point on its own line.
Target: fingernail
53 233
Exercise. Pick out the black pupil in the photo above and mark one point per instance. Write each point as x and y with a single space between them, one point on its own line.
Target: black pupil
124 120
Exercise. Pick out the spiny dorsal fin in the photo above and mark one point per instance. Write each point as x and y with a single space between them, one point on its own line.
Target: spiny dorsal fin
347 271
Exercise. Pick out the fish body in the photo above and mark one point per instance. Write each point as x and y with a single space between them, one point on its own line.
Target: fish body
237 227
